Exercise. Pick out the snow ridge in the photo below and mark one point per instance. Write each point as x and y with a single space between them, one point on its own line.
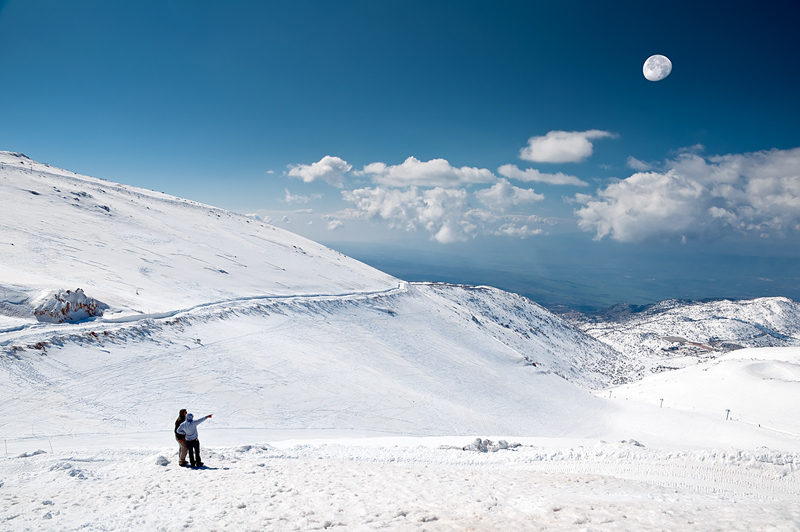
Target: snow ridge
521 324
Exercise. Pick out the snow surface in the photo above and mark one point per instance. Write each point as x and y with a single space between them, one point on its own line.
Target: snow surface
343 397
348 485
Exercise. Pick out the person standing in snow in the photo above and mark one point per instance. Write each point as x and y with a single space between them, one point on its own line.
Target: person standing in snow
181 438
189 429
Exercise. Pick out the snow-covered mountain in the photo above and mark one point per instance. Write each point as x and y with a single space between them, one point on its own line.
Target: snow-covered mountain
196 305
144 252
676 333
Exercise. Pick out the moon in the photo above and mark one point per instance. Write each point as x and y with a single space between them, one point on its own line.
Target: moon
657 67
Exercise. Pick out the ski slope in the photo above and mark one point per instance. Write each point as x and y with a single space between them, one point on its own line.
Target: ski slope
759 387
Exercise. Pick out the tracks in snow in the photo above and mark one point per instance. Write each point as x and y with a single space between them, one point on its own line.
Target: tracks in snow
31 334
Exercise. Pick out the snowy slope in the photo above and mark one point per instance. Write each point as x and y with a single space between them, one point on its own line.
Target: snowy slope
535 334
268 330
398 363
144 252
674 333
760 387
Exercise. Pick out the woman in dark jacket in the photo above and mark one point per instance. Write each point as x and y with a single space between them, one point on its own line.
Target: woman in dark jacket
182 449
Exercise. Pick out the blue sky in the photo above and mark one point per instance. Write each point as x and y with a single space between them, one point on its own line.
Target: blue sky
511 143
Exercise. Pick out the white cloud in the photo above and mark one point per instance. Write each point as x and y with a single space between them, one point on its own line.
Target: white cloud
438 211
291 198
328 169
636 164
503 195
433 173
333 225
489 217
562 146
531 174
444 213
513 230
755 193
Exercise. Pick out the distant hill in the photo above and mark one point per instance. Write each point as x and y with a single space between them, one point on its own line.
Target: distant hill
675 333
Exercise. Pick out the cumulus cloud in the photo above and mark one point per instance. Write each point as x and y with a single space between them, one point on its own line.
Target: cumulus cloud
292 198
636 164
511 229
489 217
438 211
531 174
699 196
444 213
332 170
433 173
562 146
503 195
333 225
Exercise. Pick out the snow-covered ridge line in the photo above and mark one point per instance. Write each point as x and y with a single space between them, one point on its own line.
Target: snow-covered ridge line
39 330
79 180
402 286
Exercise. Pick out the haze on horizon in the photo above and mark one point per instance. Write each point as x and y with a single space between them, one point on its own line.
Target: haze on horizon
510 143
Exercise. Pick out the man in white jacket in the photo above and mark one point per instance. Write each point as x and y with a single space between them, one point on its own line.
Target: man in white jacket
189 429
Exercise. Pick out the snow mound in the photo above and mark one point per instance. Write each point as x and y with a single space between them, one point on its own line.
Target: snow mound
68 306
488 446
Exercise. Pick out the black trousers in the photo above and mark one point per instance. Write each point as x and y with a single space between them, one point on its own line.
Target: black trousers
194 452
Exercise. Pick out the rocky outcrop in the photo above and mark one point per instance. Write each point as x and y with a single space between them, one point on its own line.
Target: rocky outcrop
68 306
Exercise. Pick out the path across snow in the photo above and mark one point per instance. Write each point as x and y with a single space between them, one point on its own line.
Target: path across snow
25 329
355 487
